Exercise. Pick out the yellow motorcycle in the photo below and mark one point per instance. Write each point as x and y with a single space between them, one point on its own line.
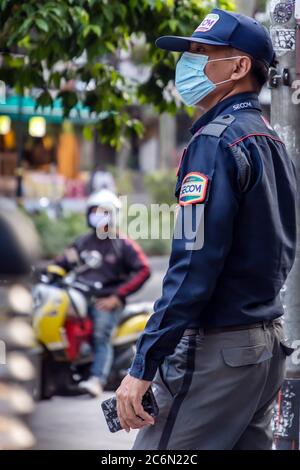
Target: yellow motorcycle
64 329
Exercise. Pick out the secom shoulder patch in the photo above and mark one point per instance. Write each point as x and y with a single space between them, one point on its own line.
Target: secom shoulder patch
193 189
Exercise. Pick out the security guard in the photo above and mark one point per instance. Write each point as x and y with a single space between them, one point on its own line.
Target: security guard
214 345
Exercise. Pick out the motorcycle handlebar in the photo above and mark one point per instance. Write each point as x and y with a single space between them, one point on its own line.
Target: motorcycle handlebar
90 289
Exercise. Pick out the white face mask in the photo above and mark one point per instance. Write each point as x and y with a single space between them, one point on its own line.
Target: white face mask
99 219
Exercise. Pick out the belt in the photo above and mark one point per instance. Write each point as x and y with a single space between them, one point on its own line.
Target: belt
212 331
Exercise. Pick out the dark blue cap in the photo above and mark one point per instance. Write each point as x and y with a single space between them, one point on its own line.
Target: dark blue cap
224 28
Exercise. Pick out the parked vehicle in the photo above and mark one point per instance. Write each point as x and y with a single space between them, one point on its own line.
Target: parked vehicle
64 329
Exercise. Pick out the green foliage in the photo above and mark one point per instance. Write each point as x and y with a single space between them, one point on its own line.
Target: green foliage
123 179
47 33
57 234
157 247
152 231
161 184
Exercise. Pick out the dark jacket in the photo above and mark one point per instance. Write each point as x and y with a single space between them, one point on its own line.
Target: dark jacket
249 230
124 267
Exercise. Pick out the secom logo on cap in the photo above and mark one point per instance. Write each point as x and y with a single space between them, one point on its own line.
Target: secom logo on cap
208 22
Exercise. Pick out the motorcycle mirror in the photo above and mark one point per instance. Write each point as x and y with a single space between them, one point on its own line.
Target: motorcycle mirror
93 259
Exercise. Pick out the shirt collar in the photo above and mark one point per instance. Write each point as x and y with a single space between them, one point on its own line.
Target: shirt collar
231 104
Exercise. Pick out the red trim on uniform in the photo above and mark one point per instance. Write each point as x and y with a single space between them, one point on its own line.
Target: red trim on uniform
267 123
199 131
253 134
140 277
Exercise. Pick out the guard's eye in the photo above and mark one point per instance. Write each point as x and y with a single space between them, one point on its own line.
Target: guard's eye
197 48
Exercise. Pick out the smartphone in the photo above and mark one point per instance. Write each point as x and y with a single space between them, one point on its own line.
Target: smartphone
109 408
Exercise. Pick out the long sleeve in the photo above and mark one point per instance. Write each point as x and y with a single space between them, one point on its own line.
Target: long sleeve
62 260
70 257
192 274
136 265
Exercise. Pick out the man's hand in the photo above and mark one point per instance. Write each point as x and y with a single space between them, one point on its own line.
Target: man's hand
109 303
129 403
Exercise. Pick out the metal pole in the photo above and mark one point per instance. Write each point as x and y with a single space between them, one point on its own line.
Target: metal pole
285 118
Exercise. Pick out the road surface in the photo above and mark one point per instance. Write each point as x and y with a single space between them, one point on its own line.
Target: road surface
78 422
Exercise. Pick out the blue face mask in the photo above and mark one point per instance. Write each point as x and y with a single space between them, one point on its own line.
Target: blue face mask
190 79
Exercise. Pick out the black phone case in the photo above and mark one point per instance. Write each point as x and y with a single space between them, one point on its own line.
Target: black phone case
109 408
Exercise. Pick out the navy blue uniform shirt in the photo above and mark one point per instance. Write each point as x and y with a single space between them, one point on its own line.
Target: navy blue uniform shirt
246 183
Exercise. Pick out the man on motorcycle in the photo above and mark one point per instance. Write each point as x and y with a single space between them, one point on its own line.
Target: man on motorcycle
122 271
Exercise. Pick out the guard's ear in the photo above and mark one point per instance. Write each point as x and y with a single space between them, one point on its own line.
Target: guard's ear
242 67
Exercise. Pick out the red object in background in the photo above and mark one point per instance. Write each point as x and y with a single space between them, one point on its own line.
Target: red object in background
78 331
75 189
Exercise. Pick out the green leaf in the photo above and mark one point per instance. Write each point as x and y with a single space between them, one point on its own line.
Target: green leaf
110 46
42 25
173 24
80 40
88 132
24 42
82 15
44 99
92 28
55 79
108 13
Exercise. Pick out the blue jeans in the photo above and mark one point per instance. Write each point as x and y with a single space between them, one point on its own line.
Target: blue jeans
103 326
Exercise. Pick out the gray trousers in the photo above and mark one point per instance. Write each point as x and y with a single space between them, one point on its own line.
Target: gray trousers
216 391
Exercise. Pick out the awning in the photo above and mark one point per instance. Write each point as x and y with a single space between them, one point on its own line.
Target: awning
22 108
